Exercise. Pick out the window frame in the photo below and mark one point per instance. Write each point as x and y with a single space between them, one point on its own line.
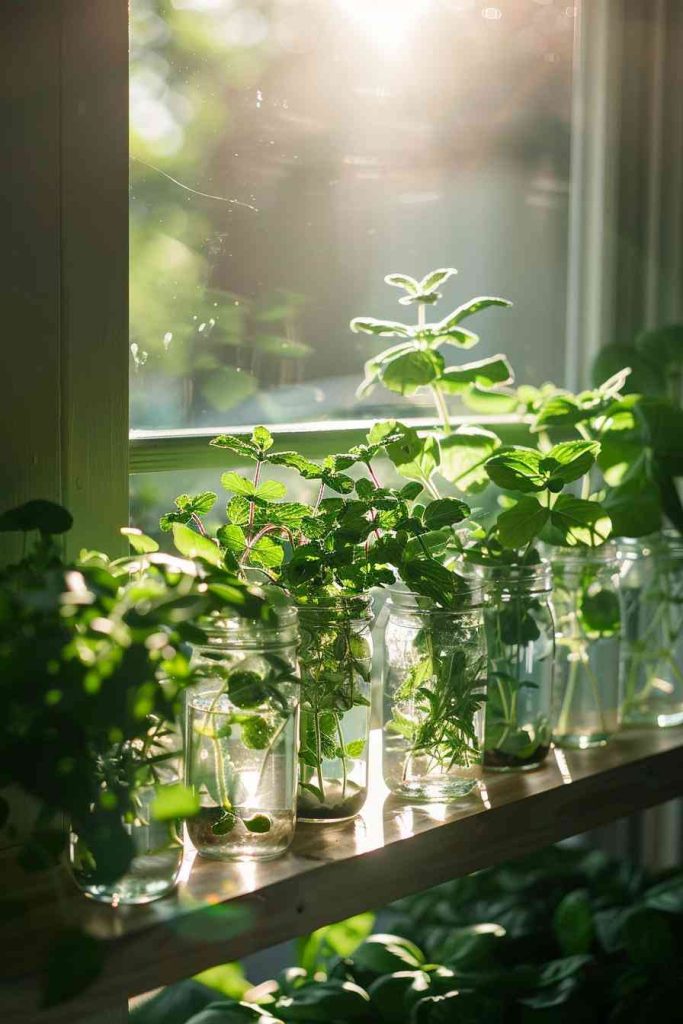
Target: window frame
68 73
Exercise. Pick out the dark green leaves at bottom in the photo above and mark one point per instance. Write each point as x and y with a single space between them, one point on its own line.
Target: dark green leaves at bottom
573 923
74 961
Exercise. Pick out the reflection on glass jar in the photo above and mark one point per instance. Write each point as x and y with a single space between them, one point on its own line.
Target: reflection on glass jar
335 659
520 636
586 601
152 850
652 596
241 725
434 669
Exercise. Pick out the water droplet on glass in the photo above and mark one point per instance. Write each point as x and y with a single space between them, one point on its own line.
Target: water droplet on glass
259 97
168 338
201 327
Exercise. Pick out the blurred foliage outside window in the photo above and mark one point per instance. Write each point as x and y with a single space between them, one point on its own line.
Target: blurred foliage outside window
286 154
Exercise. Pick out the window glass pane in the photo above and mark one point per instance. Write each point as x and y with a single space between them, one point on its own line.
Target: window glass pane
287 154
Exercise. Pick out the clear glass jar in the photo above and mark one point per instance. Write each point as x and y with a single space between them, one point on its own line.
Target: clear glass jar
241 727
652 656
335 660
520 636
434 691
588 609
155 848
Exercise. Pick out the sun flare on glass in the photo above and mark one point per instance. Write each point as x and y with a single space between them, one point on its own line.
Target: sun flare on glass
387 23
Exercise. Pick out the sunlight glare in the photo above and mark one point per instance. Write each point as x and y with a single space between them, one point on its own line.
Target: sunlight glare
387 22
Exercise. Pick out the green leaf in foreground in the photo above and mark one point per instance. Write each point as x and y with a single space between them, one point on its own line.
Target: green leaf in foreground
194 545
172 802
573 923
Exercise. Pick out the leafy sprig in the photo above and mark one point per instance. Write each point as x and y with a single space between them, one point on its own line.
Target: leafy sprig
417 361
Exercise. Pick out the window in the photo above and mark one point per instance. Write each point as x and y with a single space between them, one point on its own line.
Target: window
287 154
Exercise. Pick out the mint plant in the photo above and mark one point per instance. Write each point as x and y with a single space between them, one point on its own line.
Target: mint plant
328 554
417 361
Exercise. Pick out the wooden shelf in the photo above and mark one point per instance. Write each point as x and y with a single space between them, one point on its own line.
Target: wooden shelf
223 911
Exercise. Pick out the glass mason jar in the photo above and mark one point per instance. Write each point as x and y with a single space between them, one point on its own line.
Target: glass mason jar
587 605
520 635
652 655
335 660
434 691
241 726
153 848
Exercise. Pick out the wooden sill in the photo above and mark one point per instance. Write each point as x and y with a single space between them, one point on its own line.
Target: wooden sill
223 911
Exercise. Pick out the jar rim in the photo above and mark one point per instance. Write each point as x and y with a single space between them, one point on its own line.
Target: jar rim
347 605
403 599
537 575
605 554
219 625
668 543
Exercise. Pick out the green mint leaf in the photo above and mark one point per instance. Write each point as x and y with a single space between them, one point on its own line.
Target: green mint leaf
232 481
259 823
521 523
237 510
176 801
232 537
445 512
560 411
490 402
486 372
262 438
404 281
470 308
194 545
515 468
270 490
382 328
266 553
463 456
139 541
238 445
435 336
570 460
579 522
414 370
431 281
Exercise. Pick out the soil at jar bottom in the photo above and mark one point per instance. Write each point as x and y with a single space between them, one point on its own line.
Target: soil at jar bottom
339 803
499 760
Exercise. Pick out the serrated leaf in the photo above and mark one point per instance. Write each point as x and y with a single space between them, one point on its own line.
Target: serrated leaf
237 445
491 371
402 281
432 280
270 490
516 468
463 456
267 553
194 545
445 512
262 438
411 371
471 307
580 522
521 523
232 481
382 328
237 510
570 460
232 537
